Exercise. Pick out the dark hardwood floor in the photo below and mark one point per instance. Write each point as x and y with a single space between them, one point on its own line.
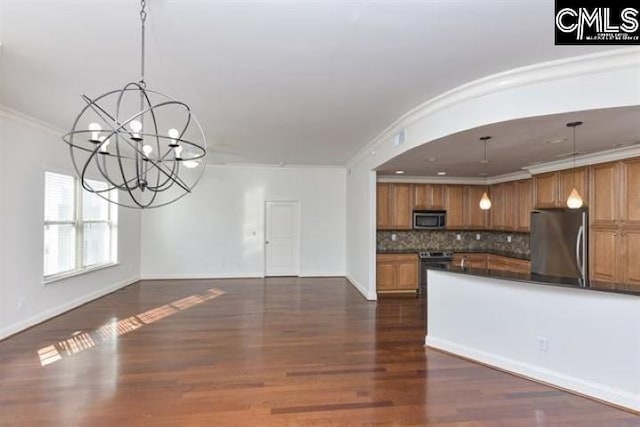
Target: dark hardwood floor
262 352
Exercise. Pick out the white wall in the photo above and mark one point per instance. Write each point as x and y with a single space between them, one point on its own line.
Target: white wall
218 231
27 149
610 79
593 337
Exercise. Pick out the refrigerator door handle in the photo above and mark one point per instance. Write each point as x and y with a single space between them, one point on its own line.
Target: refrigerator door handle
579 254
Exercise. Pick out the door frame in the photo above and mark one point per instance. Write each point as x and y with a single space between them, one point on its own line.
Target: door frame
297 244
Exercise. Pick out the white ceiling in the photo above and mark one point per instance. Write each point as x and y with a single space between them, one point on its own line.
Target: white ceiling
305 82
519 143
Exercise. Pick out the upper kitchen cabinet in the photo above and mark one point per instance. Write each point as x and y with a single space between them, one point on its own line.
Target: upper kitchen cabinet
605 187
570 178
454 203
523 198
394 206
511 205
545 190
474 217
496 194
615 200
552 189
428 196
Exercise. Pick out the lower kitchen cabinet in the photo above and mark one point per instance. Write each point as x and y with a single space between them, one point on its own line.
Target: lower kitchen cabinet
397 273
472 260
491 262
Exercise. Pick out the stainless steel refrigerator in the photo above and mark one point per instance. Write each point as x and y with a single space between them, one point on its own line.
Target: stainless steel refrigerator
559 243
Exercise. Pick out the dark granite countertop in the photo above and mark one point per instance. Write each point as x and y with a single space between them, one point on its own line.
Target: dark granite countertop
470 251
539 279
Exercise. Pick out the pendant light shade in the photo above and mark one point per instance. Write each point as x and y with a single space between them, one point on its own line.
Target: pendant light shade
485 201
574 201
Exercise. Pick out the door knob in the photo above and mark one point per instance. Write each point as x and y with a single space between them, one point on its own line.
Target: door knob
266 242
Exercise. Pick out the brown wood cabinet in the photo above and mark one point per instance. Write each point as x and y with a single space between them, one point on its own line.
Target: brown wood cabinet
397 272
394 206
614 242
454 202
497 211
511 206
491 262
428 196
472 260
474 217
523 198
552 189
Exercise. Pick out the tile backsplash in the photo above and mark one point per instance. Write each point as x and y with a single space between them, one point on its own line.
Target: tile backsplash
440 240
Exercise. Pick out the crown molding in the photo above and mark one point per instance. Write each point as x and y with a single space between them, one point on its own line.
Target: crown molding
30 121
586 160
432 180
510 79
508 177
606 156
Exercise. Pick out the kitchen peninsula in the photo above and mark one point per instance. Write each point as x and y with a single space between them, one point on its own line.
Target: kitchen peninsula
585 339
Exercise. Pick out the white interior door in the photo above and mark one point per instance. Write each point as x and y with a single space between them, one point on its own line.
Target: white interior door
282 248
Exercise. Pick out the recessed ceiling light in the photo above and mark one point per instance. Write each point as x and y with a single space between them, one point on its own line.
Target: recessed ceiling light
399 172
483 174
619 145
442 173
373 153
556 141
484 162
431 159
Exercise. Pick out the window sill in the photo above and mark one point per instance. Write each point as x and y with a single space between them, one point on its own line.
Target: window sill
67 274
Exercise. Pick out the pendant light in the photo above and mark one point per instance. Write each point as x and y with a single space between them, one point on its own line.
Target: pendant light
574 201
147 146
485 202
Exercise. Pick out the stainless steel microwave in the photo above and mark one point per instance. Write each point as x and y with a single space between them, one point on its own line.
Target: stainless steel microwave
429 220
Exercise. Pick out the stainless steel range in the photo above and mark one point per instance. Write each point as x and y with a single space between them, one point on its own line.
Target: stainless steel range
438 259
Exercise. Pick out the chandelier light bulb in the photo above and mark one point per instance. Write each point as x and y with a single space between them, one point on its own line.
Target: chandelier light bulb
178 151
136 127
485 202
95 129
173 134
147 149
574 201
104 146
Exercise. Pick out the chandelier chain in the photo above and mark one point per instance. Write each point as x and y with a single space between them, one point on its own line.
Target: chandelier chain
143 19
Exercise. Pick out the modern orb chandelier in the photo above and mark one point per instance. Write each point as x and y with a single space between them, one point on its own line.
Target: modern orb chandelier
146 145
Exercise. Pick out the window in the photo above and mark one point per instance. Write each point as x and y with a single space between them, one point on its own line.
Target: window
80 227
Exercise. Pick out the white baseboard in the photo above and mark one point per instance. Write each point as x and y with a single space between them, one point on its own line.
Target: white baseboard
69 305
178 276
369 296
322 274
579 385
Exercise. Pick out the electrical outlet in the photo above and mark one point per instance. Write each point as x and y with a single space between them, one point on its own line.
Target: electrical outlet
458 236
478 236
394 237
508 239
543 344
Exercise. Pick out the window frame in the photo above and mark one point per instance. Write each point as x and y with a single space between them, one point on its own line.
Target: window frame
78 224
